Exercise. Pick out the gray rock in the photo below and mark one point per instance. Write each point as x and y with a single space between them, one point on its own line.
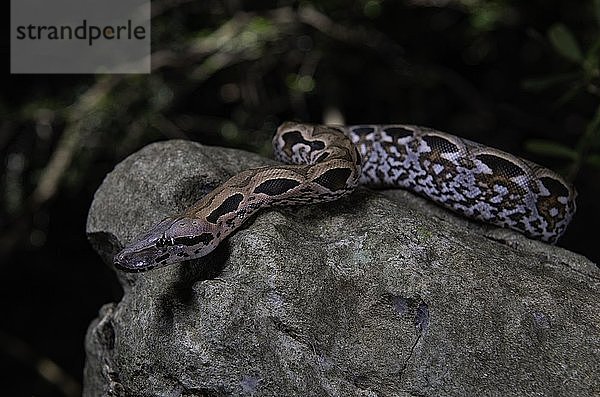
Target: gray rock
377 294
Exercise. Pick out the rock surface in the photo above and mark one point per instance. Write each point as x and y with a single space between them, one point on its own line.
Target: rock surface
377 294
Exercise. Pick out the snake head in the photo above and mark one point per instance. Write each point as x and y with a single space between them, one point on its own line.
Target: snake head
170 241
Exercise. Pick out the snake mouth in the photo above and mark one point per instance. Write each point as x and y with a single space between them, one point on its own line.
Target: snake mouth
127 269
126 266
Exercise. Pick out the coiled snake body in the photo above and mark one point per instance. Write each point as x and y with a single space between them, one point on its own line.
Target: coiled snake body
327 162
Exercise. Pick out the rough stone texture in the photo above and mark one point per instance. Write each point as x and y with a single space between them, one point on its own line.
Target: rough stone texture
377 294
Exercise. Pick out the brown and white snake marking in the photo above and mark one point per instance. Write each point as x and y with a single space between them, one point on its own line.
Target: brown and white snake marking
327 162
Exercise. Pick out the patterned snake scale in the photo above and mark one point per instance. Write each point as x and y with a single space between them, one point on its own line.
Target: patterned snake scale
324 163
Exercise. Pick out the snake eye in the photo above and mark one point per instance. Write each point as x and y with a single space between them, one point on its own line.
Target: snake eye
161 242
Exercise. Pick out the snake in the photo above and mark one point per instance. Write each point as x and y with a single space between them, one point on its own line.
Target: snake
321 163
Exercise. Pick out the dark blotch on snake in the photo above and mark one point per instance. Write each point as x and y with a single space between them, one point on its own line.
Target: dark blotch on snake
554 187
161 258
363 130
322 157
398 132
204 238
334 179
275 187
229 205
358 156
500 166
292 138
440 144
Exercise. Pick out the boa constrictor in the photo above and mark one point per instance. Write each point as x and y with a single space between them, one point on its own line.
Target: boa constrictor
327 162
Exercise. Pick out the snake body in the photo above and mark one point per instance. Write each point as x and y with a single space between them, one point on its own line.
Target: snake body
324 163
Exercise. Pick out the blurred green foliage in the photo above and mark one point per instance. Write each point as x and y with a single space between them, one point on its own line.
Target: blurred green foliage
583 79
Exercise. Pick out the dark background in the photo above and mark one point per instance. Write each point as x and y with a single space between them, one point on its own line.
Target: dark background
520 76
